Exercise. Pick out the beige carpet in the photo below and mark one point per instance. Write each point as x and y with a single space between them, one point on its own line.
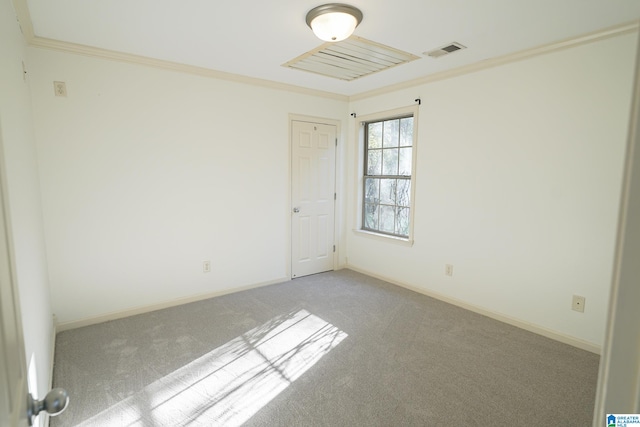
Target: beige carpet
334 349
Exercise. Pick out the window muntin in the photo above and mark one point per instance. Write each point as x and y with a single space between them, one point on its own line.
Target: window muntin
388 159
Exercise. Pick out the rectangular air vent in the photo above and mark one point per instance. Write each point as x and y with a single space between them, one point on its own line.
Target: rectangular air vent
350 59
445 50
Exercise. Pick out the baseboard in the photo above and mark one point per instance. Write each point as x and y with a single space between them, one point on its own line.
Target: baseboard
74 324
566 339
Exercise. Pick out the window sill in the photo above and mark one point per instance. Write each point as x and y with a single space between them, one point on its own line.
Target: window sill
384 237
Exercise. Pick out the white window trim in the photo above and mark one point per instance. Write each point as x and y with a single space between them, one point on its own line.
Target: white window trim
359 138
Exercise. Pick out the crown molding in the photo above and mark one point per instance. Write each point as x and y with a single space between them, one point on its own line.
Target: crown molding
618 30
44 43
24 18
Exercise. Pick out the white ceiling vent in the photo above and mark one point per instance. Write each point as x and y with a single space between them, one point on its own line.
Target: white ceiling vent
350 59
445 50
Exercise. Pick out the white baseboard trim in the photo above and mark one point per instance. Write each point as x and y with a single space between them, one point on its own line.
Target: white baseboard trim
557 336
74 324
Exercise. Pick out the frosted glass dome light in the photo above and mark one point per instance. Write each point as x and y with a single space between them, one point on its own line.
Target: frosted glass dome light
333 22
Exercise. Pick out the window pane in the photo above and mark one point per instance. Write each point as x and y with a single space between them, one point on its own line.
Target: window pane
404 192
406 131
387 219
371 216
375 135
391 133
374 162
388 191
390 161
402 222
387 179
405 161
371 190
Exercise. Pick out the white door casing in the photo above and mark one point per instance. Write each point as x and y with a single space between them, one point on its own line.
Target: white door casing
618 389
313 165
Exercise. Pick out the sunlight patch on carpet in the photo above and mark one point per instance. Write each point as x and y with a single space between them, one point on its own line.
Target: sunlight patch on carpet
228 385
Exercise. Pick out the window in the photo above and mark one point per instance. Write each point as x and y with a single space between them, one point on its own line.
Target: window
388 162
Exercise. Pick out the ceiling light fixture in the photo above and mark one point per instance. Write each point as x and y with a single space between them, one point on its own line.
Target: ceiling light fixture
334 22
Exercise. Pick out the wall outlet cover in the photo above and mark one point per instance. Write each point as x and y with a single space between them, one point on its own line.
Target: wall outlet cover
60 89
448 270
577 303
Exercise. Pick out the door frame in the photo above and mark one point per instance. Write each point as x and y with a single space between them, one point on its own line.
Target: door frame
618 389
337 206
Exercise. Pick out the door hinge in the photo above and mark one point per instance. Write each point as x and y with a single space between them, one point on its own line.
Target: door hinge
335 196
334 248
336 142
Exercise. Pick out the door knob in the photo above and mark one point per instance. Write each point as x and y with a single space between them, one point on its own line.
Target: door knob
53 403
296 210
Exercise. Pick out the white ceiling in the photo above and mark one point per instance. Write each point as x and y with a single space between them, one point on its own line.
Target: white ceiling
255 37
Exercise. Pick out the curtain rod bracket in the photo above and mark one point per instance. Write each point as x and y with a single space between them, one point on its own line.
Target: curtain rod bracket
419 101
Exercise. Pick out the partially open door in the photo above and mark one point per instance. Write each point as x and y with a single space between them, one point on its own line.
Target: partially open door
17 408
13 370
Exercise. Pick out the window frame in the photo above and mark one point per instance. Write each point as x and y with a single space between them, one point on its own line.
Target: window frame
362 173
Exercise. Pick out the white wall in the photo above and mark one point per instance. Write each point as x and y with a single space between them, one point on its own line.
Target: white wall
20 165
518 184
145 173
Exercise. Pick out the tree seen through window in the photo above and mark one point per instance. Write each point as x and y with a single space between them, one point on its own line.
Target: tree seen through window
387 176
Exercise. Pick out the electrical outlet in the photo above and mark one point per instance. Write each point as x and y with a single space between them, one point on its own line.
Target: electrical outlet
578 303
206 266
60 88
448 270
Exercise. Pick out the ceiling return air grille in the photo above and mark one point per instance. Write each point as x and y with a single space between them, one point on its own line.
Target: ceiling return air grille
445 50
350 59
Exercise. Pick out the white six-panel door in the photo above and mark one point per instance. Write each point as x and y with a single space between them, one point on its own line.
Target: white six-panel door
313 160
